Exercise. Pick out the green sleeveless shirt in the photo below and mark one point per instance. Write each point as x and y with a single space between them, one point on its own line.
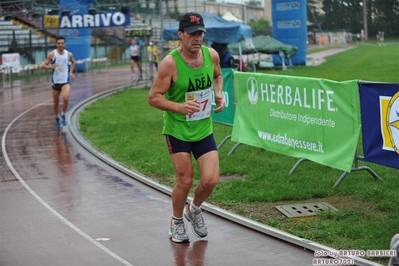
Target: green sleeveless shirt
188 80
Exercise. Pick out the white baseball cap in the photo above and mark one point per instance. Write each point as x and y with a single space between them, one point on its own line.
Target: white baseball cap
150 43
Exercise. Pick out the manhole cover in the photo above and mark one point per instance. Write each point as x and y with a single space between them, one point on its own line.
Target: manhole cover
304 209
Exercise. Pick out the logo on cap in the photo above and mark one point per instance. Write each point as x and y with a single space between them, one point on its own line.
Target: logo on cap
195 19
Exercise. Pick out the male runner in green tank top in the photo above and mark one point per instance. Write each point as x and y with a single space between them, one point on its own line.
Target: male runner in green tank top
182 89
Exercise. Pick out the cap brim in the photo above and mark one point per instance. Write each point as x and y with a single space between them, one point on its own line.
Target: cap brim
194 29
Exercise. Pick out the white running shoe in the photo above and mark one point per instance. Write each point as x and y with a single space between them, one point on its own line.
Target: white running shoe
198 225
177 232
394 261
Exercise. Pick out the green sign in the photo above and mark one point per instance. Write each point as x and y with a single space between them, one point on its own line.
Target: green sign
138 32
310 118
227 115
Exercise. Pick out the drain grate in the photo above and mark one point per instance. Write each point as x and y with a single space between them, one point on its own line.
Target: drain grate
304 209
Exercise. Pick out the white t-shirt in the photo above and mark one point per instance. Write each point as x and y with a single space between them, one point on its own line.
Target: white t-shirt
61 72
134 50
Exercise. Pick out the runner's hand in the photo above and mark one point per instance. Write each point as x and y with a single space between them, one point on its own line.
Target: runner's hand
191 107
220 105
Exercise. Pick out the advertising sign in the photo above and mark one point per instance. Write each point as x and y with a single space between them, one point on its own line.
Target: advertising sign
227 115
138 32
290 27
11 59
379 105
99 20
310 118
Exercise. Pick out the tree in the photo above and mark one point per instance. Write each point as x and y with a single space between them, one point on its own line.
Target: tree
382 15
314 16
340 14
385 17
260 27
260 24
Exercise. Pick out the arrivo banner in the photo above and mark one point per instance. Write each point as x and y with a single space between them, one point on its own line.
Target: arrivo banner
99 20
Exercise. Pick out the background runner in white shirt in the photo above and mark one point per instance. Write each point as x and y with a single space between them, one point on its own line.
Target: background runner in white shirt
62 63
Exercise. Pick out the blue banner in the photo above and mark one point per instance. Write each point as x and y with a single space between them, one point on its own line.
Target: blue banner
77 39
379 106
83 21
290 27
100 20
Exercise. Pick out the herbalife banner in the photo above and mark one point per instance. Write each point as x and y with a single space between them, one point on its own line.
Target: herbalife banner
380 121
316 119
227 116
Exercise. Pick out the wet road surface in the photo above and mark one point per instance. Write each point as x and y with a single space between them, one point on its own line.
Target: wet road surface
60 205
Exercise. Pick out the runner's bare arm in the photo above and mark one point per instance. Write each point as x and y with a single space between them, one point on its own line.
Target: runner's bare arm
46 62
73 65
167 73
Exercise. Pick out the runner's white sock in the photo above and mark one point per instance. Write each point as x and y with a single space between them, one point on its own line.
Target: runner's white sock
176 220
193 208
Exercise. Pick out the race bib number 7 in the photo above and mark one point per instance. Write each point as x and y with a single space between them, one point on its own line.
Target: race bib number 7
205 101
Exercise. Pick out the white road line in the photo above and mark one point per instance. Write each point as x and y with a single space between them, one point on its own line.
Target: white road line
45 204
